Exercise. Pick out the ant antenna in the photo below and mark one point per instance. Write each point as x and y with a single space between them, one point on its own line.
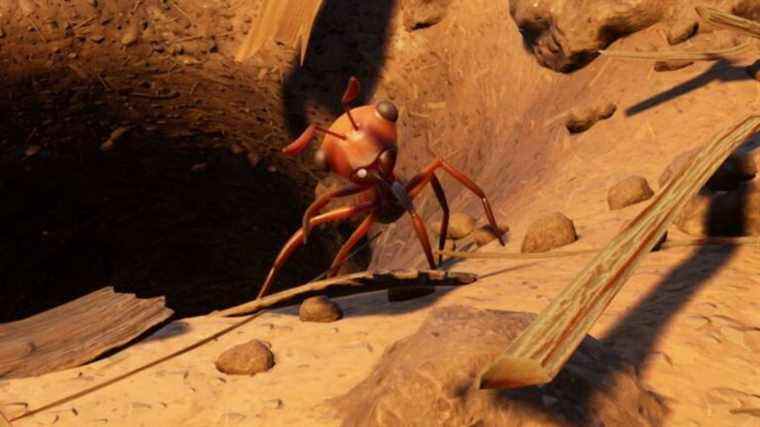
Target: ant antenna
329 132
352 92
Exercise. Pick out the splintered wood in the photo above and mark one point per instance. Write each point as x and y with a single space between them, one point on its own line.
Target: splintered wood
76 332
366 279
540 352
283 21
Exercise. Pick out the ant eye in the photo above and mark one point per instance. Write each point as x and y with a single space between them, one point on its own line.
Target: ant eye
387 110
361 173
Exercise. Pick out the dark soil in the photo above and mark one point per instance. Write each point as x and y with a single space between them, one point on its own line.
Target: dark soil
178 216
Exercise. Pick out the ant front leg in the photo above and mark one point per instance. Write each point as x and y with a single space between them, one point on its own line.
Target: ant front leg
323 201
297 239
416 185
345 250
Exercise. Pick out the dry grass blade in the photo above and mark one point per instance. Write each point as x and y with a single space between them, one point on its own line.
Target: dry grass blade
363 279
707 241
726 20
538 354
286 21
675 55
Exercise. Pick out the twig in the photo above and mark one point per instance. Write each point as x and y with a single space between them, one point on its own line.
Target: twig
152 96
727 20
121 377
707 241
363 279
34 24
183 12
192 89
676 55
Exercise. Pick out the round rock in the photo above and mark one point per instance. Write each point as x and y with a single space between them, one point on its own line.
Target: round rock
460 226
549 232
319 309
630 191
250 358
485 234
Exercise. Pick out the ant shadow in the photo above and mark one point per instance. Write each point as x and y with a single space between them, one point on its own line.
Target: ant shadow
723 70
349 38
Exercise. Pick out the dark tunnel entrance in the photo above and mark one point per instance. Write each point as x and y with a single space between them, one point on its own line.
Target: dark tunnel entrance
179 214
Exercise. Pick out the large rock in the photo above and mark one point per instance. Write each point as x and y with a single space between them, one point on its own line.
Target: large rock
250 358
566 34
737 168
549 232
427 379
630 191
731 213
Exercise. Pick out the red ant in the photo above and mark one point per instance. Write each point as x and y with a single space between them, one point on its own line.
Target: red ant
361 146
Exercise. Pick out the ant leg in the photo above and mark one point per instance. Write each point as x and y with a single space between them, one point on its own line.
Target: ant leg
402 196
320 203
467 182
414 187
297 239
352 92
441 196
344 251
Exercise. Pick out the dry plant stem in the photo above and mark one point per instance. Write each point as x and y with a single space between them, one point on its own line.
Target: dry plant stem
287 21
675 55
382 280
726 20
123 376
707 241
538 354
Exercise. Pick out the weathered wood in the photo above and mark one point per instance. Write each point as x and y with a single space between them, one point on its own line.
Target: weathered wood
76 332
539 353
285 21
400 278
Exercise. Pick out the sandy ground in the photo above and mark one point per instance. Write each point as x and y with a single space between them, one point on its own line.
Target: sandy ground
688 317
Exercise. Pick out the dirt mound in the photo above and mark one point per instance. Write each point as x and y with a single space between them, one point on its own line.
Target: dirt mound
427 379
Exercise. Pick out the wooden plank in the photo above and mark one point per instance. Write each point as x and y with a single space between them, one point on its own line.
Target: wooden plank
538 354
77 332
388 279
288 22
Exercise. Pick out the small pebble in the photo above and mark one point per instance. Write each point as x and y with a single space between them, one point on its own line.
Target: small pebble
250 358
274 404
319 309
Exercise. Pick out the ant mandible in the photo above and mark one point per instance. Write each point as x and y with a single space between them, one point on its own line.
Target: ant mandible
361 147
